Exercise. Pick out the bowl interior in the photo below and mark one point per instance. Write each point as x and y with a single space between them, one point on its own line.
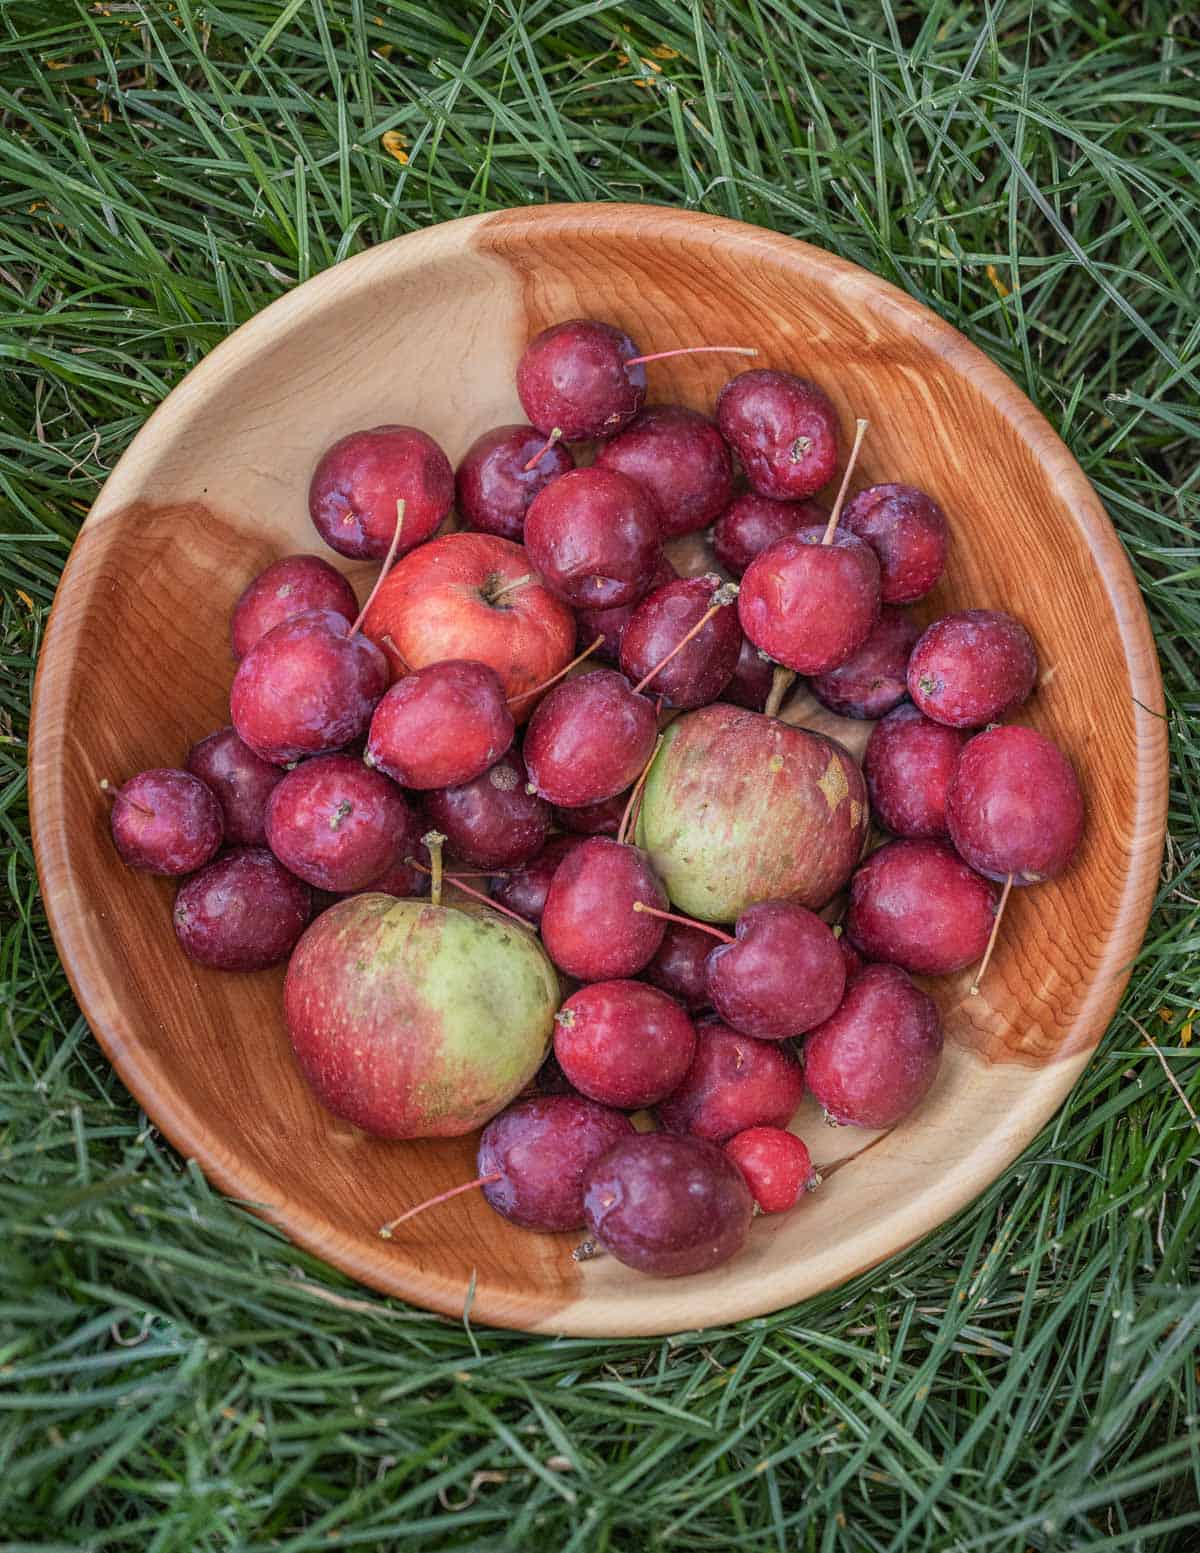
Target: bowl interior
427 330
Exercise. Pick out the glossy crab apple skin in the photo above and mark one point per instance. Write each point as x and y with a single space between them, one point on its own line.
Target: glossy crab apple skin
595 819
623 1043
609 624
306 688
907 531
776 1164
542 1149
492 486
589 926
680 965
873 679
875 1060
782 975
810 605
524 889
594 537
917 905
358 482
166 821
1014 806
783 428
680 457
751 522
575 377
752 677
734 1082
702 668
441 726
491 821
476 597
242 912
668 1206
970 668
589 739
239 780
288 587
908 765
851 958
336 824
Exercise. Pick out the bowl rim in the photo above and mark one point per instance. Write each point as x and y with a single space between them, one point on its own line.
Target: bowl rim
928 1208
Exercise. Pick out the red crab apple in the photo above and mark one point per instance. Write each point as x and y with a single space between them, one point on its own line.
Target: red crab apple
872 679
780 976
623 1043
1014 806
164 821
441 725
968 669
492 821
681 459
242 912
359 480
594 536
382 1001
908 764
783 428
916 904
477 597
776 1164
500 474
288 587
589 926
734 1082
239 780
907 531
751 522
336 824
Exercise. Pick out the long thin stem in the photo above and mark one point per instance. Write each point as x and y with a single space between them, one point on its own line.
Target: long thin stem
511 587
860 431
384 569
554 678
781 683
435 841
724 596
555 434
385 1230
626 820
691 350
457 881
669 916
992 936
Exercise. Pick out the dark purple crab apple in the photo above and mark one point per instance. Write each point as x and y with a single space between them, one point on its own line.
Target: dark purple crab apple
359 480
680 457
524 889
917 905
500 474
534 1156
308 687
239 780
776 1164
589 925
623 1043
875 1059
594 536
809 604
692 669
908 765
667 1206
751 522
782 974
337 824
873 679
164 821
1014 807
907 531
680 964
589 739
733 1082
242 912
492 821
783 428
609 624
969 668
441 726
290 586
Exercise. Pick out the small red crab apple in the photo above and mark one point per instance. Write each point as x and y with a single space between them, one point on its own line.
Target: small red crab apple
288 587
776 1164
242 912
907 531
164 821
916 904
968 669
681 459
623 1043
359 480
734 1082
500 474
908 764
783 428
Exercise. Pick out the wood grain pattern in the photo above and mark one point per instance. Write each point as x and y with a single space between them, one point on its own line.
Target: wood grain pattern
427 329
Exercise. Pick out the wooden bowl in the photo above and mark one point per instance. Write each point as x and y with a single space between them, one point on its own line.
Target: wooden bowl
427 329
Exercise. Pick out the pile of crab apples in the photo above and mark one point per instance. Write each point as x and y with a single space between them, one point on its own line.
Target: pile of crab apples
499 819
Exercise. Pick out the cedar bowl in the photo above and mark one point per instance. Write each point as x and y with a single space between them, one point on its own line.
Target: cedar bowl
427 329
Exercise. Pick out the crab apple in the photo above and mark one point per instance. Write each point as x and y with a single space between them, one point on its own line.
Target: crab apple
916 904
441 725
609 624
165 821
734 1082
908 765
872 679
336 824
968 669
492 821
589 739
808 604
907 531
534 1156
359 480
589 925
783 428
681 459
289 586
623 1043
500 474
594 536
239 780
242 912
524 890
1014 807
782 974
751 522
776 1164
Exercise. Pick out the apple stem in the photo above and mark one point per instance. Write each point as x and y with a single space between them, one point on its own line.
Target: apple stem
511 587
385 1231
627 818
384 569
860 431
781 683
723 596
435 841
566 669
691 350
555 434
992 936
111 793
456 881
669 916
586 1250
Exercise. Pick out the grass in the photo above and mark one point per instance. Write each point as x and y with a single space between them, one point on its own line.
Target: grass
175 1378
